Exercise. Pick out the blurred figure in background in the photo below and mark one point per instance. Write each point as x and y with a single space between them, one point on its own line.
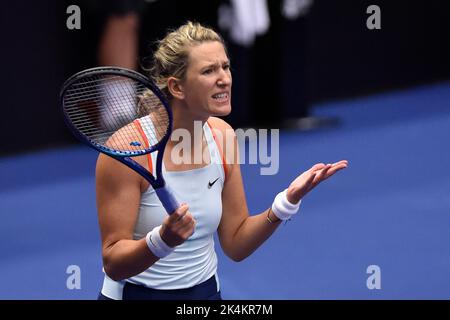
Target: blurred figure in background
119 43
270 38
119 46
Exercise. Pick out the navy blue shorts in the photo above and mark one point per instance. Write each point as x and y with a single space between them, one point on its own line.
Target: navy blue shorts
204 291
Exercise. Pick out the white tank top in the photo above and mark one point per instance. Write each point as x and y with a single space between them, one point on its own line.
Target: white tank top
194 261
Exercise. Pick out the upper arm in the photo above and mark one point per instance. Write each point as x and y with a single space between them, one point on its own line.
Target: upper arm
118 190
234 204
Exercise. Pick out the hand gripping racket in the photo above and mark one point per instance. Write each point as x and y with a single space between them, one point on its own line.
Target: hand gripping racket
122 114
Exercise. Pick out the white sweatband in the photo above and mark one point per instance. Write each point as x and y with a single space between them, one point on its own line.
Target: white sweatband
156 244
282 208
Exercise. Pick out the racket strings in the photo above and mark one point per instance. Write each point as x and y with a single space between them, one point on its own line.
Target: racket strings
104 109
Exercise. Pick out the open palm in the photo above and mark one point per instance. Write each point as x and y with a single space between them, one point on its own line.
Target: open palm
311 178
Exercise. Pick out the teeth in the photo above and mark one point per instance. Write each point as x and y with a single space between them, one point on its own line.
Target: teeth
220 95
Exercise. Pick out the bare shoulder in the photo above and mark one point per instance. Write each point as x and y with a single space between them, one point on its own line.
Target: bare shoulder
226 139
223 131
128 138
220 124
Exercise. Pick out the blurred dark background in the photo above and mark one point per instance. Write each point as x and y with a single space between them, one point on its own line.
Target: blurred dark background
326 54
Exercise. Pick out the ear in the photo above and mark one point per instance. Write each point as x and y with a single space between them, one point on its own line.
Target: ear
175 88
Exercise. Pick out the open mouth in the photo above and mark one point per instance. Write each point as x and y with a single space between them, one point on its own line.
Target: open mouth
221 97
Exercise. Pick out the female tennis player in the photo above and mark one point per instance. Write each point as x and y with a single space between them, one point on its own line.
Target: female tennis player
148 254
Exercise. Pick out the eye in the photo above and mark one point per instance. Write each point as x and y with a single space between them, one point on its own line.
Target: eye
226 66
207 71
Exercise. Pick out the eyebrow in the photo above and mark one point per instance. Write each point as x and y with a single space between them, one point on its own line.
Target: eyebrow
215 64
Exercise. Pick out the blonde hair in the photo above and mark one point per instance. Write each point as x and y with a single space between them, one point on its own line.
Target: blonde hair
172 54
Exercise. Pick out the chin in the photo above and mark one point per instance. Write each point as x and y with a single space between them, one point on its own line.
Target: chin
221 111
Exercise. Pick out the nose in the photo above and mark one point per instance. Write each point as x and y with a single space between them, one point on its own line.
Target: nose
224 79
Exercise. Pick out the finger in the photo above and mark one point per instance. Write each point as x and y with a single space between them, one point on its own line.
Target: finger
188 224
187 230
321 175
316 167
185 220
324 171
178 214
342 162
335 169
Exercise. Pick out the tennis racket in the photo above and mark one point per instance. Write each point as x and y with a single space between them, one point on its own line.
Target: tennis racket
122 114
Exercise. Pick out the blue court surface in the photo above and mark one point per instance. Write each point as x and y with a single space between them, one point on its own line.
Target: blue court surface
390 209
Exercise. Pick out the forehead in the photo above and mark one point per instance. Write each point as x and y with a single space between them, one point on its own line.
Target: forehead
207 53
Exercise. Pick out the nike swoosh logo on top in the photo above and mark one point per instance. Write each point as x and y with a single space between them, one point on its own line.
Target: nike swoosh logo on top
210 184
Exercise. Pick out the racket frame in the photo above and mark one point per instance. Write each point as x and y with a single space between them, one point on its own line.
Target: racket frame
163 191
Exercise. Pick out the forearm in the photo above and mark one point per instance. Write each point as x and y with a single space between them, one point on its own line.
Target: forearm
127 258
119 42
252 233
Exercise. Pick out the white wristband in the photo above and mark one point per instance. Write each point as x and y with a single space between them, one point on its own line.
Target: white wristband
156 244
282 208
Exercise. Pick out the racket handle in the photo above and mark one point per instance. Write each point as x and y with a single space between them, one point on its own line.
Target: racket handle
167 199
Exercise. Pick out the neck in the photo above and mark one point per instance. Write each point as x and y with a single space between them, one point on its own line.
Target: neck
183 119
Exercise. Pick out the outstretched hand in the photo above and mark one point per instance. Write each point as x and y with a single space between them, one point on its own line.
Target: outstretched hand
311 178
